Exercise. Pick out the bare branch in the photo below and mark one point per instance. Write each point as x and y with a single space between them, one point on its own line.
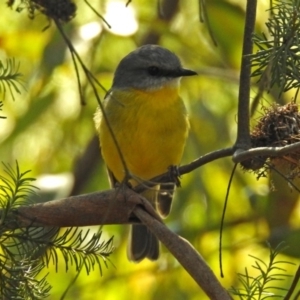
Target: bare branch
118 206
106 207
241 155
211 156
243 134
165 178
186 255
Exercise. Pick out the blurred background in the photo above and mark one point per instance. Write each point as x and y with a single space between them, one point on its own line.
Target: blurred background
50 132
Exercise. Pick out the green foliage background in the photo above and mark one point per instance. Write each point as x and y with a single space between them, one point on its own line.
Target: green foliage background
47 130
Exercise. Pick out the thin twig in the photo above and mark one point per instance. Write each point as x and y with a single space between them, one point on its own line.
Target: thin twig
99 15
81 94
290 181
165 178
203 16
211 156
92 80
241 155
223 218
293 285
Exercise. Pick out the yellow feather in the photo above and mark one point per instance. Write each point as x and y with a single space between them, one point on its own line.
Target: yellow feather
151 128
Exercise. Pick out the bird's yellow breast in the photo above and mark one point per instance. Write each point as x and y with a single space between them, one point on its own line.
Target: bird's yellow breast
150 127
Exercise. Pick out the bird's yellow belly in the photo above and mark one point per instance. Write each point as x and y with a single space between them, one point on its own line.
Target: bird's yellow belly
150 128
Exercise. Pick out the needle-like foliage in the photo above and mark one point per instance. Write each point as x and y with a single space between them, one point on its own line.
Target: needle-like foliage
277 62
9 77
1 104
25 252
265 285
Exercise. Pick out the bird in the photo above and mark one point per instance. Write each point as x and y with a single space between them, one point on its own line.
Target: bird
150 125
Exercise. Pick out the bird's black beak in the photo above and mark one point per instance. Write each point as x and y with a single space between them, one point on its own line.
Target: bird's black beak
180 72
186 72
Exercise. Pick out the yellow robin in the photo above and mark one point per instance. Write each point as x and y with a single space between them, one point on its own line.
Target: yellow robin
149 121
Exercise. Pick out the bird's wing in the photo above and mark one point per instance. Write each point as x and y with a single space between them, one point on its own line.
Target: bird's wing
112 180
164 199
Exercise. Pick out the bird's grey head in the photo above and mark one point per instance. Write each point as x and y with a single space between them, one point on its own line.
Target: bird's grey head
149 67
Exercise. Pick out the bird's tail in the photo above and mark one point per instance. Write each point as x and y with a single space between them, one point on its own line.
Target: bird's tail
142 242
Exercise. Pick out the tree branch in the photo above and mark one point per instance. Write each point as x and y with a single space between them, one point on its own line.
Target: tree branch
241 155
186 255
167 177
243 134
107 207
117 206
211 156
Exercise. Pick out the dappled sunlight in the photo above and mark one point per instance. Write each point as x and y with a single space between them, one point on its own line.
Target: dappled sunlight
49 130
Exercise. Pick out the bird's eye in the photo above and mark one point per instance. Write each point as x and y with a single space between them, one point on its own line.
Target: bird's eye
153 71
